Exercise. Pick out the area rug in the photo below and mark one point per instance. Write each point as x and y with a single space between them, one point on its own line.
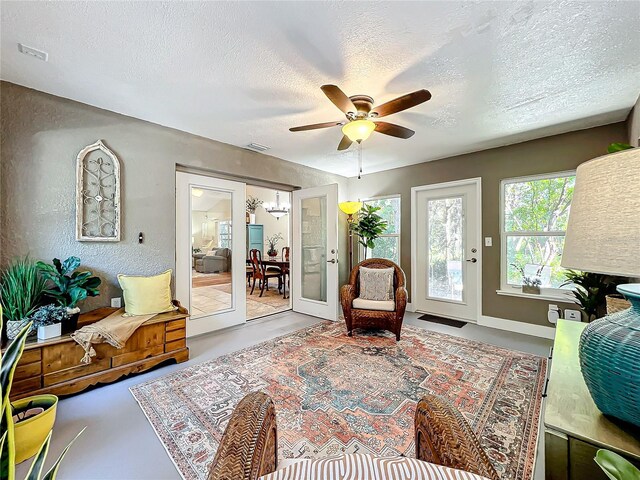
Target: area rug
336 394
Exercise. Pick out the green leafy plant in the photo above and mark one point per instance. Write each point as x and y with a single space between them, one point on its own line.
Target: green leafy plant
591 290
49 315
616 467
21 290
369 227
272 241
8 363
253 203
617 147
65 285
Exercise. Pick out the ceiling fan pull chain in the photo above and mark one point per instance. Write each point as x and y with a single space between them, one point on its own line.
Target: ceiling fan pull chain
359 160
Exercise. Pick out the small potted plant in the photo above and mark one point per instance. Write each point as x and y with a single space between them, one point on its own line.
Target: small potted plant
252 204
272 242
530 284
48 321
67 287
20 294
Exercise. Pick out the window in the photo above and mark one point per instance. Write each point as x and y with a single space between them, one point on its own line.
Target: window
535 211
388 245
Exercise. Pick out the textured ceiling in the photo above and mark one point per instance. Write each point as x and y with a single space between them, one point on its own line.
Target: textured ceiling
241 72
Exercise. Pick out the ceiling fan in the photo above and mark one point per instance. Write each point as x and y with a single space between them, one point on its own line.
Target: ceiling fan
361 115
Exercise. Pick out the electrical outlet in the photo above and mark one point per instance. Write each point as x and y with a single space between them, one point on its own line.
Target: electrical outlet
554 314
573 315
116 302
488 241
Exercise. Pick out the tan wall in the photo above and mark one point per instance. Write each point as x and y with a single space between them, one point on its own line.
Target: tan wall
41 136
550 154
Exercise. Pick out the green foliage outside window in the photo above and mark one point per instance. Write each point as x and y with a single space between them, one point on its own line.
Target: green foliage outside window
536 213
388 244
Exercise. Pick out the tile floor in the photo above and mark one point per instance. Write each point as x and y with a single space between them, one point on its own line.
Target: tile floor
119 442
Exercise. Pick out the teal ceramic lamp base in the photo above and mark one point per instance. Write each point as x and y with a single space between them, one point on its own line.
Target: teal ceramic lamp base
610 359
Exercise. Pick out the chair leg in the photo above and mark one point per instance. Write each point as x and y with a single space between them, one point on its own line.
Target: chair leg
264 280
253 286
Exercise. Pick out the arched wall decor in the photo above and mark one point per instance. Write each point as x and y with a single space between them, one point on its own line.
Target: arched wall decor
97 194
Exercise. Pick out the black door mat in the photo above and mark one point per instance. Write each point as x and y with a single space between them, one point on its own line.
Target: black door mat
443 321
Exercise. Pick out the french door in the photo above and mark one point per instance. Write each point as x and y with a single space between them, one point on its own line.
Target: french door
315 251
210 251
446 231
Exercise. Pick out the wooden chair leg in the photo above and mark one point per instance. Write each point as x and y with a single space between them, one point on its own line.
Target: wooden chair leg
264 280
253 286
249 445
444 437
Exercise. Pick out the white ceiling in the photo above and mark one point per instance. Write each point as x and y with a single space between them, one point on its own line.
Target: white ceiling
241 72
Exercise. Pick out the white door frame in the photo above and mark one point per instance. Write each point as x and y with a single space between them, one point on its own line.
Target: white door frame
237 314
329 309
477 181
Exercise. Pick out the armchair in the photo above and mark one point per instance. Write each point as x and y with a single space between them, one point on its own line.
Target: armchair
249 445
356 316
218 262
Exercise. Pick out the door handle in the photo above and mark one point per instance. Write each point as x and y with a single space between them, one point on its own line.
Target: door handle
472 260
333 260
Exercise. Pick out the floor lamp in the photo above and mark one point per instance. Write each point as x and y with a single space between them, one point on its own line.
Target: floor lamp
350 209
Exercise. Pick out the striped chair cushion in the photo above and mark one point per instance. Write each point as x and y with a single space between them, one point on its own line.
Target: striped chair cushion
368 467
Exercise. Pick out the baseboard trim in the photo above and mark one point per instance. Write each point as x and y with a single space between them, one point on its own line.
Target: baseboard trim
518 327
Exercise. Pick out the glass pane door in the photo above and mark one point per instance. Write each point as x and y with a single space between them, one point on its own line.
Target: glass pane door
314 246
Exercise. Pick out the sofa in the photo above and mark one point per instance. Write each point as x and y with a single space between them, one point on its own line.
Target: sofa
214 261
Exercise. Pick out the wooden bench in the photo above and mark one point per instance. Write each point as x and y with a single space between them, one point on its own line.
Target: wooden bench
53 366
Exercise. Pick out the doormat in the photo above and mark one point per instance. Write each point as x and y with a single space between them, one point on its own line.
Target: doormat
442 320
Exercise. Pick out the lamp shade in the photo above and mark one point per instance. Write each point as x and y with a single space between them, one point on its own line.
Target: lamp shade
350 208
358 130
603 234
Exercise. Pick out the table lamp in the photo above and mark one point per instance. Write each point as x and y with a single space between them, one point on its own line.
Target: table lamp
603 236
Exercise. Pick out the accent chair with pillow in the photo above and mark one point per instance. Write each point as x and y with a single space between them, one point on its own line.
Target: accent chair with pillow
375 296
214 261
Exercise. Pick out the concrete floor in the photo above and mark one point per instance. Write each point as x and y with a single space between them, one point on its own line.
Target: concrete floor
119 442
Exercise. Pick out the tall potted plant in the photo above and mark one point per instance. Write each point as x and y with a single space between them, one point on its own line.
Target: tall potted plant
66 287
23 435
20 294
368 227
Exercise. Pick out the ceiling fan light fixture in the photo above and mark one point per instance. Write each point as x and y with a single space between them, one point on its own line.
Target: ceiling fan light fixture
358 130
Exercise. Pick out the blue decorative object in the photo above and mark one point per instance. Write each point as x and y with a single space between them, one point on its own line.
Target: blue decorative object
610 359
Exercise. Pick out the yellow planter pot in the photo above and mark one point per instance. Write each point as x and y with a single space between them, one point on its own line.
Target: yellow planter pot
30 433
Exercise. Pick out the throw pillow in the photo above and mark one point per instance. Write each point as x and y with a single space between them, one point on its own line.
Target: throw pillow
376 283
146 295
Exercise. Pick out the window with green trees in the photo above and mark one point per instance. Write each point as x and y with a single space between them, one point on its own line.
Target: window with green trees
388 244
535 211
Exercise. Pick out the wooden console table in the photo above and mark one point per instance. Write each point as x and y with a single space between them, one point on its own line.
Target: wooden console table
574 427
53 366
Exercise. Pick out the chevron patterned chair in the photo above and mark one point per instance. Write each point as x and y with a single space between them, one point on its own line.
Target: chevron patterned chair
249 446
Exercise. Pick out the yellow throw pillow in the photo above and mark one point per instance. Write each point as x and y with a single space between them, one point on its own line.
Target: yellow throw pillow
146 295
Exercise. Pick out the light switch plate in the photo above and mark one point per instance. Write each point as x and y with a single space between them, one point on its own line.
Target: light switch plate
488 241
116 302
574 315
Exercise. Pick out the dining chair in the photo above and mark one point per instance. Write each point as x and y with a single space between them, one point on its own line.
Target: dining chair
261 274
286 278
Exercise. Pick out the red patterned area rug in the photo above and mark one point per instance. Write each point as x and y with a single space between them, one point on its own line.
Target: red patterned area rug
337 394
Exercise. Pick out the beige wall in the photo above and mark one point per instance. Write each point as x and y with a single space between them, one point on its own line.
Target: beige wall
41 136
550 154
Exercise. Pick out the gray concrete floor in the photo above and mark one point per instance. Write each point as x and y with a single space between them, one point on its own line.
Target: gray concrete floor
119 443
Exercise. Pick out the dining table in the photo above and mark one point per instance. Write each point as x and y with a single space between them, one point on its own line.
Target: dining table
283 264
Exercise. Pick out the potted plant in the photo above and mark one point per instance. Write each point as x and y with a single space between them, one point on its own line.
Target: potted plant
67 287
25 425
368 227
272 242
20 294
615 466
591 290
252 204
48 321
530 284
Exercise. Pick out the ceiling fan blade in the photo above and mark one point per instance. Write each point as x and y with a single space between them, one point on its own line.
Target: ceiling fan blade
344 143
402 103
315 126
338 98
394 130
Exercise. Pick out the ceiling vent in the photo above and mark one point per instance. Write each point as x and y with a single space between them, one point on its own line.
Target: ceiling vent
257 147
33 52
